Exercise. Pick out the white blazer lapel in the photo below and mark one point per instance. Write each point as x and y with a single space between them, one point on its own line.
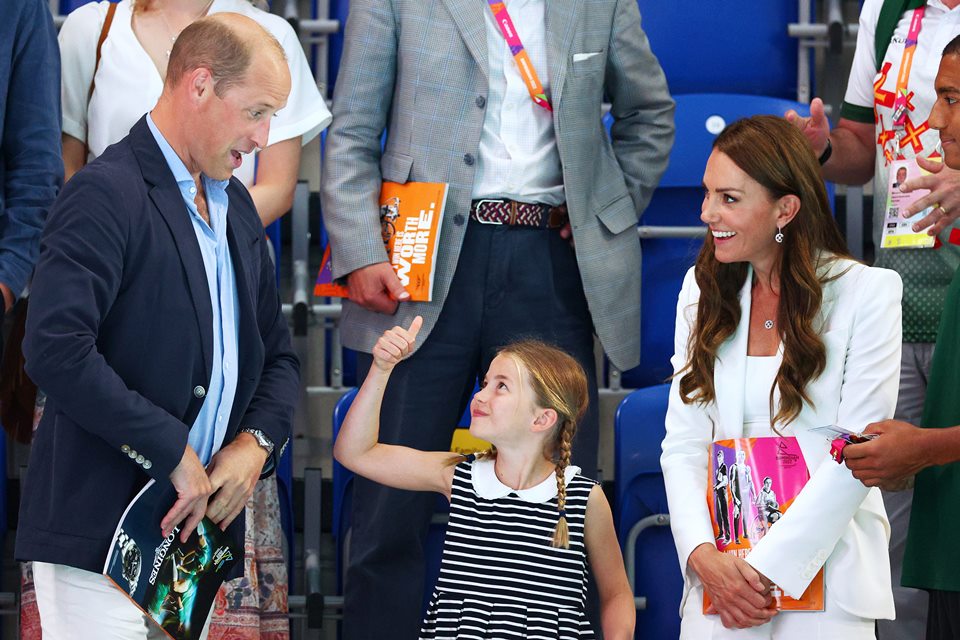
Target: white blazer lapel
730 370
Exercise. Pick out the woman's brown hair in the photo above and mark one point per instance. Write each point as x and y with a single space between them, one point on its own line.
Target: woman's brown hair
775 154
559 383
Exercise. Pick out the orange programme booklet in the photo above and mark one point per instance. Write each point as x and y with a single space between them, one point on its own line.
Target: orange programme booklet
752 483
410 218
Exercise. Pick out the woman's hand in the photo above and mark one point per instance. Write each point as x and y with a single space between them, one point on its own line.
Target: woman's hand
395 345
740 595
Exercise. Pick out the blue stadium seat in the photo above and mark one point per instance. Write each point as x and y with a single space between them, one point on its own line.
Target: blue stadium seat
715 46
676 202
641 512
339 9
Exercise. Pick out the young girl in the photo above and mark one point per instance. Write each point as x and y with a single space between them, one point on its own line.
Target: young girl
523 522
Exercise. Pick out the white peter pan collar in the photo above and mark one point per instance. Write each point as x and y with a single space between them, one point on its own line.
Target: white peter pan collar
488 485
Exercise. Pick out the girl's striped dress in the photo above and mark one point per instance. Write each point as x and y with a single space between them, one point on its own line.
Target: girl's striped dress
500 577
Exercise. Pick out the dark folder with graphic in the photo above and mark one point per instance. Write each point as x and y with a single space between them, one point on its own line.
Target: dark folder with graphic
172 582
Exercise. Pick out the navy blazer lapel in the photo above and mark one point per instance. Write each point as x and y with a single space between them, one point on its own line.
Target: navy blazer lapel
165 194
469 18
561 20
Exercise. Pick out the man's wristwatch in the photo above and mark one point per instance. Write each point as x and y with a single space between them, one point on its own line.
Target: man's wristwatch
265 443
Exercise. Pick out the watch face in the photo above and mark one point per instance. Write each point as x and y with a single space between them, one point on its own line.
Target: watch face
262 440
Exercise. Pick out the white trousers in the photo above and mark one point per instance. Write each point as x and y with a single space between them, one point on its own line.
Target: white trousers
830 624
80 605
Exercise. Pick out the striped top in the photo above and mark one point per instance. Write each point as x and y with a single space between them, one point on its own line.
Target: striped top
500 577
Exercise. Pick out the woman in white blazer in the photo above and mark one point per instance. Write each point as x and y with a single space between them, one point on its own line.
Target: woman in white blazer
778 332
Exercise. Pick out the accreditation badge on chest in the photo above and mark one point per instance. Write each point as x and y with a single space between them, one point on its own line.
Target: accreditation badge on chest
898 230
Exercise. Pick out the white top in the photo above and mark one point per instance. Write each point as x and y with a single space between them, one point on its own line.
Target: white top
518 157
128 83
761 372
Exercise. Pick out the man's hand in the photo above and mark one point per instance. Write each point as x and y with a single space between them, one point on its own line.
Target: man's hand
888 460
376 287
816 128
566 232
944 196
234 472
193 487
739 593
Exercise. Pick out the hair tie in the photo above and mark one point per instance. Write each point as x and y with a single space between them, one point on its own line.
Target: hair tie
471 457
563 513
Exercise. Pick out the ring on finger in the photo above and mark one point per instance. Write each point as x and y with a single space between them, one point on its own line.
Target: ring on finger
943 209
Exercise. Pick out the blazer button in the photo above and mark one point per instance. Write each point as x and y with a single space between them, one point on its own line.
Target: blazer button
147 464
481 102
132 453
199 391
140 459
468 159
125 448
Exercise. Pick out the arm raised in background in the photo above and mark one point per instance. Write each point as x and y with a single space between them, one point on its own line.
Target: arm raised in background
854 148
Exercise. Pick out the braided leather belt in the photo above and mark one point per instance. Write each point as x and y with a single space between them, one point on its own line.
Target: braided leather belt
523 214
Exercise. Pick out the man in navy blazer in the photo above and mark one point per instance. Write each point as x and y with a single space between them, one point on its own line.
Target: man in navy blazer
156 330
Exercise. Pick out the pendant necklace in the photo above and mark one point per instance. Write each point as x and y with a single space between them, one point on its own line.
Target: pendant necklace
166 24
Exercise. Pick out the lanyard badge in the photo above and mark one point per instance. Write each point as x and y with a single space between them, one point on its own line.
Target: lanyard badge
909 48
520 55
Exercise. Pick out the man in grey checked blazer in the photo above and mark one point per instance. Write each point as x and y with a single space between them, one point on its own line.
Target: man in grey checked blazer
439 77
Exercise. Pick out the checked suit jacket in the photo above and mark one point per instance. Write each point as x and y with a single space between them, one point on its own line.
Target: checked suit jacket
418 68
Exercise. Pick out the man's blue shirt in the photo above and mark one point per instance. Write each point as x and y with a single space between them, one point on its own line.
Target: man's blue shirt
206 435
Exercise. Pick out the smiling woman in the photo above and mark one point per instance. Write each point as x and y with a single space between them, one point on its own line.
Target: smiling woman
778 332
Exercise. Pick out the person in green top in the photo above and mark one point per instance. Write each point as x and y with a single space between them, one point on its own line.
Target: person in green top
930 454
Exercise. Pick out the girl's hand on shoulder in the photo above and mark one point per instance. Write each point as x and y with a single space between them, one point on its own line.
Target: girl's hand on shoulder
739 594
395 345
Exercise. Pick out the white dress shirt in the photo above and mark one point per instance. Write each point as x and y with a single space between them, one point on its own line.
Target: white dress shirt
518 157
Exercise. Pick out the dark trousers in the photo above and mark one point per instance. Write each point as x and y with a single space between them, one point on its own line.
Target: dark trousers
943 615
510 283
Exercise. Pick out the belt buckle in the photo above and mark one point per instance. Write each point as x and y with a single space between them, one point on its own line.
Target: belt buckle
479 217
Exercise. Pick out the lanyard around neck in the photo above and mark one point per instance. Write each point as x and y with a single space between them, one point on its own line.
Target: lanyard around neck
909 48
520 56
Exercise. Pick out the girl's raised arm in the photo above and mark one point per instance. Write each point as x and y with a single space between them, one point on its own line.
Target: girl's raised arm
358 447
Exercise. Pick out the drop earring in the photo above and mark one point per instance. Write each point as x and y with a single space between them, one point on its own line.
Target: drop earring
779 236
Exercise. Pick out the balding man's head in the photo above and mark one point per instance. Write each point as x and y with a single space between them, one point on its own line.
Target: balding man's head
224 43
226 79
